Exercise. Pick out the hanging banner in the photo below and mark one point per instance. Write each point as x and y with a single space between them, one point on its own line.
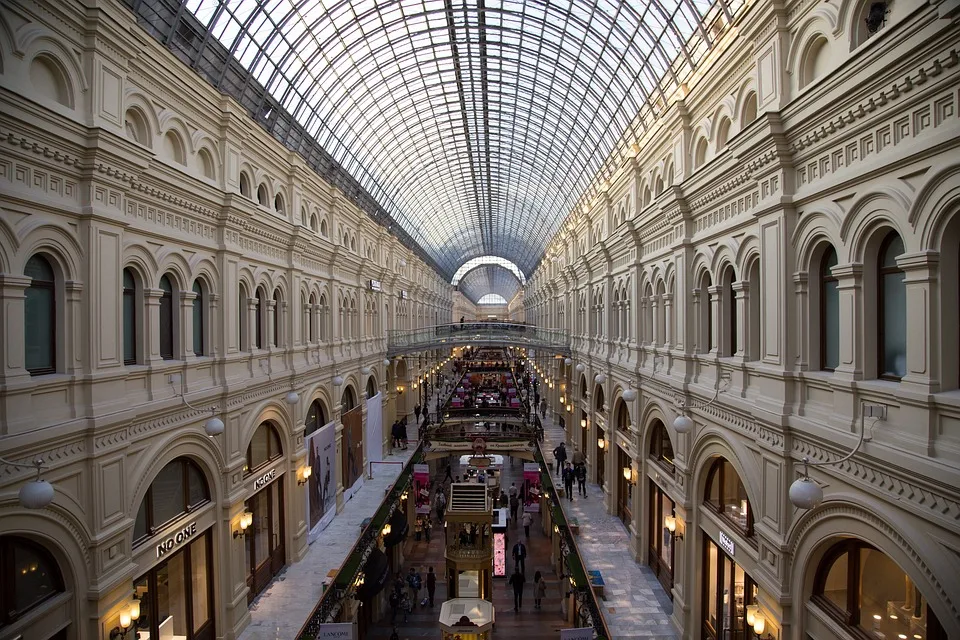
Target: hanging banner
322 485
374 433
531 487
583 633
336 631
352 451
421 487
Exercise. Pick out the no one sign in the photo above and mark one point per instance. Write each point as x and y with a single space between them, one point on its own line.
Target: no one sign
177 539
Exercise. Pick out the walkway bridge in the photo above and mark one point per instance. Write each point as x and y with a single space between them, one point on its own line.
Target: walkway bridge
494 334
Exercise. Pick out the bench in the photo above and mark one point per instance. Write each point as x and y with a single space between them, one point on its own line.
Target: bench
596 583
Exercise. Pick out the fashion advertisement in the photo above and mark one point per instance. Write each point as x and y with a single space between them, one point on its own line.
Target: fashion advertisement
421 487
531 487
374 434
322 485
352 451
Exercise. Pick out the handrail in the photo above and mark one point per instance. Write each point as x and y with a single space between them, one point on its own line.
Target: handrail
453 334
572 559
329 604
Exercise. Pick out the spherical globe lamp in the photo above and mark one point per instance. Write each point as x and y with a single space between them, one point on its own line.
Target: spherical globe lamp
386 362
568 361
36 494
337 380
600 378
292 398
365 371
629 395
580 368
683 424
805 493
213 426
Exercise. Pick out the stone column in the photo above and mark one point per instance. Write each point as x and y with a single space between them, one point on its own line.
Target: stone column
211 317
716 311
186 324
151 328
75 328
741 292
12 296
850 291
252 324
921 279
801 288
270 326
667 300
655 337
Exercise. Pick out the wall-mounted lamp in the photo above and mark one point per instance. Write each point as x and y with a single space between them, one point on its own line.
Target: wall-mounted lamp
386 362
214 425
387 529
36 494
399 390
304 474
629 394
601 443
127 617
629 475
243 525
562 400
670 522
600 378
580 368
337 379
583 423
568 361
684 423
556 529
758 621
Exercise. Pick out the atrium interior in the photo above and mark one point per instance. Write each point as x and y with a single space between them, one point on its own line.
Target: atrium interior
356 319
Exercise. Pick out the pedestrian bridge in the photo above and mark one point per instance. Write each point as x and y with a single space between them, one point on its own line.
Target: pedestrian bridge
497 334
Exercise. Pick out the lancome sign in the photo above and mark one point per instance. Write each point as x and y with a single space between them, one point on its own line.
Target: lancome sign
265 479
336 631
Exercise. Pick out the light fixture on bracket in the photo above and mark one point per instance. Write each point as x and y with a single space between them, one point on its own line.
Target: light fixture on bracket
292 398
805 493
214 425
630 393
386 362
568 361
670 523
365 371
243 524
337 379
684 423
127 618
37 493
580 368
600 378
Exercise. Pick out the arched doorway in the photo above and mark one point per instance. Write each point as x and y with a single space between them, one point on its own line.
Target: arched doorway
266 554
660 548
624 468
34 600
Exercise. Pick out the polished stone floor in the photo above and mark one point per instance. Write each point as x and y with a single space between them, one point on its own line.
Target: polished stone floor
635 605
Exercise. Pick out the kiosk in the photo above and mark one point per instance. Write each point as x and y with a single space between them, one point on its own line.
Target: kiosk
466 619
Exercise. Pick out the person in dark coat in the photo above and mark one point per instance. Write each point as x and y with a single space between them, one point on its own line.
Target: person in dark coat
431 584
516 581
560 455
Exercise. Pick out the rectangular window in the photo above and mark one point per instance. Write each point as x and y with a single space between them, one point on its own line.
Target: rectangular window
831 325
198 327
166 327
39 317
172 598
894 325
129 327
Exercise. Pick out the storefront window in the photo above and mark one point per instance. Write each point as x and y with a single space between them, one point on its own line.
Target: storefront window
661 449
860 586
175 596
727 594
660 554
28 577
179 488
728 497
264 447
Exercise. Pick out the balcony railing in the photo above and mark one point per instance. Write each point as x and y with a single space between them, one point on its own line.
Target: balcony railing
478 333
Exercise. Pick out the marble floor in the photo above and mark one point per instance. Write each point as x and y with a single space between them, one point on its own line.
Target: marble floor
635 604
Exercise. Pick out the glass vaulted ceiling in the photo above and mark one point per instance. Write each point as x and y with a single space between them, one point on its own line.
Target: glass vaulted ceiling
475 124
488 278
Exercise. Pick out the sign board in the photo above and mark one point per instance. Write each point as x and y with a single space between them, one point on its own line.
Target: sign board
176 539
261 481
336 631
375 285
583 633
727 543
462 445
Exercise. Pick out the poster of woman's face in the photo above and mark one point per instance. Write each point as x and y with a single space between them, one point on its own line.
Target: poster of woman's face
322 483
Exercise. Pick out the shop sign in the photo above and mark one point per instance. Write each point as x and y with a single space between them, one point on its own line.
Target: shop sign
176 539
584 633
375 285
460 445
336 631
263 480
727 543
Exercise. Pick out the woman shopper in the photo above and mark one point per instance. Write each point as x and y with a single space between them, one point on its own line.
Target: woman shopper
539 589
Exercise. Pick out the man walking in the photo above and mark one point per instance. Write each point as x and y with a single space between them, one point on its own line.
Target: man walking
568 477
516 581
560 455
415 581
514 506
520 557
431 584
543 408
527 521
578 459
582 480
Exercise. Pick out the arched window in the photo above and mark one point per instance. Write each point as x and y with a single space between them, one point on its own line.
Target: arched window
178 489
861 588
322 321
278 204
264 447
260 311
749 109
371 387
130 331
275 312
816 61
723 133
661 449
829 312
40 317
316 418
29 576
207 167
244 185
262 195
700 153
198 324
623 416
892 308
242 317
349 399
598 399
727 496
729 343
706 314
323 228
166 318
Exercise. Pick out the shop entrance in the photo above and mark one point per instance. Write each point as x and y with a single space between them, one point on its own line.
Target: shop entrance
265 548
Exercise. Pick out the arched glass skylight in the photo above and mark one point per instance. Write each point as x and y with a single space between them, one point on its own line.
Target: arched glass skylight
470 265
489 278
477 126
491 298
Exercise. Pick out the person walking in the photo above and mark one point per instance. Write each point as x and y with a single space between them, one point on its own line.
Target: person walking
427 526
527 521
520 557
512 491
516 581
577 459
539 590
395 635
543 408
514 506
431 584
569 475
560 455
394 605
582 480
415 581
449 475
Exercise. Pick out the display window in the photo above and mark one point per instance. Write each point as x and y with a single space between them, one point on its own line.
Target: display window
29 577
727 497
860 587
180 488
265 537
727 592
624 488
661 449
176 596
660 553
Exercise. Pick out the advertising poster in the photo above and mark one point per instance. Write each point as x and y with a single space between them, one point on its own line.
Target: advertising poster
531 487
421 487
322 485
499 555
352 451
374 434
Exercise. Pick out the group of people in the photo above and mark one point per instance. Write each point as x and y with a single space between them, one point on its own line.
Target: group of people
398 433
571 471
519 578
406 591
